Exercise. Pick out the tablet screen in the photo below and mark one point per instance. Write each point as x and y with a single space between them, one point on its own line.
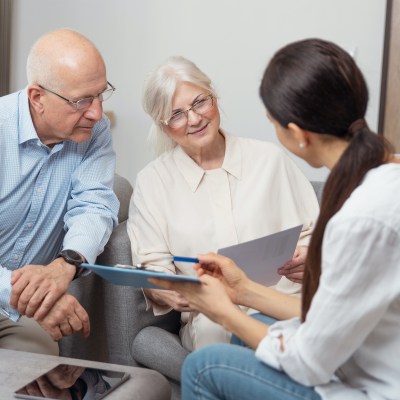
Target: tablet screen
72 382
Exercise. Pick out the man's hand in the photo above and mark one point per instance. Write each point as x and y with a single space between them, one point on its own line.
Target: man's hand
66 317
168 298
36 288
294 269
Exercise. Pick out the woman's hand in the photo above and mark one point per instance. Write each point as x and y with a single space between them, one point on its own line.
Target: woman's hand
208 298
294 269
168 298
226 271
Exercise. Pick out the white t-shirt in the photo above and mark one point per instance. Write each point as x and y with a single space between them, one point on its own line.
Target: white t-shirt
349 346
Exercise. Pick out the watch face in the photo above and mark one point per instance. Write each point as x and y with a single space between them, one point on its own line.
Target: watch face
72 256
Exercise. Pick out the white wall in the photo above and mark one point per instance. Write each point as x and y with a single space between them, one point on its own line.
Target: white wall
230 40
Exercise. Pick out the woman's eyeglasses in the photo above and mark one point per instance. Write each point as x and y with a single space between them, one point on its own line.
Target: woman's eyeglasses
180 118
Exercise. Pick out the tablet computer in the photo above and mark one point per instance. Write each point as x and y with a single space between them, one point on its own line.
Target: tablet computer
67 381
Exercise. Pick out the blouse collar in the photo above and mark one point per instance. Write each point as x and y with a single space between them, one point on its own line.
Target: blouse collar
193 173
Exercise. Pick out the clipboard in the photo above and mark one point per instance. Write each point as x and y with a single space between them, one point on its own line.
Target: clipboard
134 276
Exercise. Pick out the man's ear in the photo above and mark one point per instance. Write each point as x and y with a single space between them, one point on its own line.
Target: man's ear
35 98
301 135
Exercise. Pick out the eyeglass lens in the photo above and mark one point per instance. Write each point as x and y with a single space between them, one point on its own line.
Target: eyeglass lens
201 106
86 102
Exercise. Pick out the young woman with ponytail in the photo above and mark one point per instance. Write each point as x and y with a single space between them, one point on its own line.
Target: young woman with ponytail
343 341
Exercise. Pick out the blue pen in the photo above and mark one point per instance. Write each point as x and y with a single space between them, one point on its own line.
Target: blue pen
185 259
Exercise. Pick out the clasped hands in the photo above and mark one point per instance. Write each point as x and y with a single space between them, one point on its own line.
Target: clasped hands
39 292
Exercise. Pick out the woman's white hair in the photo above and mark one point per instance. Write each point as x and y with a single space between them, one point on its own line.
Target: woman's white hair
159 90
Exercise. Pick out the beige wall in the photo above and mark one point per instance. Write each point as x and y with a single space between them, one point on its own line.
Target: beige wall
230 40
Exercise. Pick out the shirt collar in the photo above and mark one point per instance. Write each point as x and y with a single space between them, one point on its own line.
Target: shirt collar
193 173
233 156
26 129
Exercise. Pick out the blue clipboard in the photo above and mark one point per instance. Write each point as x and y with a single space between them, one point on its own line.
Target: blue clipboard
134 276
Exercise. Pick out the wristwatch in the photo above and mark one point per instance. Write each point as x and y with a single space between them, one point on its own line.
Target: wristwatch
74 258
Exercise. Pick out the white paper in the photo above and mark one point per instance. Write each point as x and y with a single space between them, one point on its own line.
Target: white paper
260 258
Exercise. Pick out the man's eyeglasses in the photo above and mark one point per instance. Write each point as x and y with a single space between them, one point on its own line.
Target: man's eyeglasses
180 118
81 104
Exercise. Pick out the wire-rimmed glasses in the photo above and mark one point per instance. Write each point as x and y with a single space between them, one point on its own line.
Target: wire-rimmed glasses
180 118
81 104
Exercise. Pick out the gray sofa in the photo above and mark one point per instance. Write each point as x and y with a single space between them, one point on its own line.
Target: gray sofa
118 313
122 331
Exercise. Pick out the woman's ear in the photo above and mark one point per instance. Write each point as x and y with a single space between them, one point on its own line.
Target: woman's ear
302 137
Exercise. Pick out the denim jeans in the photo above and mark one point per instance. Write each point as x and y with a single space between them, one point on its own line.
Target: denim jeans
230 372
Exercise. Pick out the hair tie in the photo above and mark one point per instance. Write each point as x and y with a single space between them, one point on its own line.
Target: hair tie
357 126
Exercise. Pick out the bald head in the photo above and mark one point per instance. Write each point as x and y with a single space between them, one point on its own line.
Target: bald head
64 57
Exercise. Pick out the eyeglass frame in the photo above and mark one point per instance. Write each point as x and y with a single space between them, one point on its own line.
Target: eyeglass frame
186 112
74 103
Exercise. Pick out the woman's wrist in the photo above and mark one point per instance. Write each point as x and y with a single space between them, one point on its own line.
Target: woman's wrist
243 294
245 327
229 318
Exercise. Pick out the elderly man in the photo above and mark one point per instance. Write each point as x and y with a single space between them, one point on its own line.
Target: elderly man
57 207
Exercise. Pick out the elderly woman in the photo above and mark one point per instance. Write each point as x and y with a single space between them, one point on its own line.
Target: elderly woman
209 190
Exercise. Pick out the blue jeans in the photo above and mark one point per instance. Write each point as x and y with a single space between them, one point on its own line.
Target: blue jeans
229 372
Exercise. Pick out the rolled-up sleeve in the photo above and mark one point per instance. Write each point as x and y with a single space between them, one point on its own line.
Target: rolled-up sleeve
92 211
338 322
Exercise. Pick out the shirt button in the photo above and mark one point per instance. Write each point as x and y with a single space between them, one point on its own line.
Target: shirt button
29 225
16 257
39 190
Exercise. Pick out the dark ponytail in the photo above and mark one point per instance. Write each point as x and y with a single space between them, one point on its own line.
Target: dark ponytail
317 85
366 150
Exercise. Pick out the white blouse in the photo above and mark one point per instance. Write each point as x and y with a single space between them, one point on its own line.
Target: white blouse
349 345
179 208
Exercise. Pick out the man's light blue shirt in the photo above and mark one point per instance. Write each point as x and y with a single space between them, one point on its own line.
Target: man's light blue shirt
50 198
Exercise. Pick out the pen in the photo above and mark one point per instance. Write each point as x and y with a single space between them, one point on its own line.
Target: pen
185 259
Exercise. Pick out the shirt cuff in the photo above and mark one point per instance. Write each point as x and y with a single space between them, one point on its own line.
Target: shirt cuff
5 293
269 349
157 309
